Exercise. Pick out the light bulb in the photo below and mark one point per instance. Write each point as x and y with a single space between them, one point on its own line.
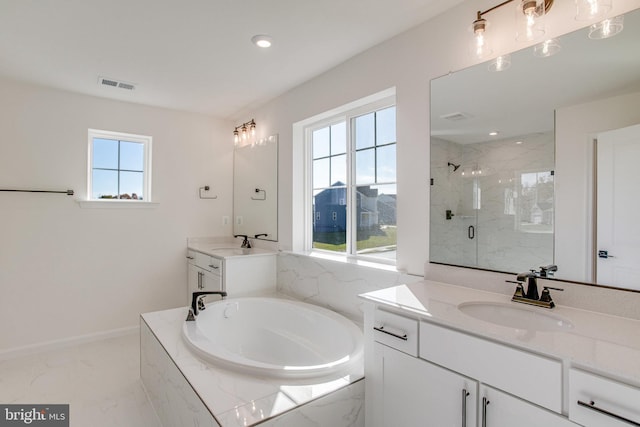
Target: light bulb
480 45
529 20
236 136
252 128
244 132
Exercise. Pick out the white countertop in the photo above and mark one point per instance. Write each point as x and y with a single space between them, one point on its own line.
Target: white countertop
598 342
226 250
235 398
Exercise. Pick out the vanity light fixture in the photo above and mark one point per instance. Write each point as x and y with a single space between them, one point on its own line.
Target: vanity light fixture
529 14
262 40
607 28
244 131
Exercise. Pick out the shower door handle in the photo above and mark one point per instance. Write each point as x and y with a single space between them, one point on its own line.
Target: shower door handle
471 232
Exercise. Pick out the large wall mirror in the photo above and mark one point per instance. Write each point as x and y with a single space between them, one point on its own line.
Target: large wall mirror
255 189
519 178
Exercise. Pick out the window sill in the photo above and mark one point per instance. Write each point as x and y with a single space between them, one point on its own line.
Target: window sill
347 260
116 204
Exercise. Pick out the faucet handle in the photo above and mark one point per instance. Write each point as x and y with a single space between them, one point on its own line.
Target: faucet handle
546 295
519 288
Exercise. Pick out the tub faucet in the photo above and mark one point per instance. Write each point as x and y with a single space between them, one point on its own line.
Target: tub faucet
246 243
197 304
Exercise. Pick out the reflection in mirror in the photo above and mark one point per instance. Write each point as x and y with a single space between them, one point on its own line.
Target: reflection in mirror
255 189
501 201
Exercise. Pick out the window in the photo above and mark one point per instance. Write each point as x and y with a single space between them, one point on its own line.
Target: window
119 166
352 161
535 202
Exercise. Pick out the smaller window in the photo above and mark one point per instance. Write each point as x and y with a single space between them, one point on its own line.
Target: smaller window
119 166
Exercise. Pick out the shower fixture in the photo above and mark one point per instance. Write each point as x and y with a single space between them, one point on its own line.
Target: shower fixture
455 167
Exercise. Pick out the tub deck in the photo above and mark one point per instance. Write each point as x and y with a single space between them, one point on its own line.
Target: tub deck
185 389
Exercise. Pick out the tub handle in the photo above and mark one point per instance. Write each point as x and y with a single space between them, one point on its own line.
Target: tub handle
381 329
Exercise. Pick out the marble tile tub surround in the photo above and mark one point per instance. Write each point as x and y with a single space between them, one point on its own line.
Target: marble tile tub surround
332 283
231 397
593 298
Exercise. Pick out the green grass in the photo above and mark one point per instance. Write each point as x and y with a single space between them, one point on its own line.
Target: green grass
381 241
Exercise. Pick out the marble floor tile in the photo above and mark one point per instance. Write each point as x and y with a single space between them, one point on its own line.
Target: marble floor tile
99 380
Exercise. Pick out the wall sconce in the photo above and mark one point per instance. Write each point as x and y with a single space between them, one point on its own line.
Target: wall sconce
529 15
244 131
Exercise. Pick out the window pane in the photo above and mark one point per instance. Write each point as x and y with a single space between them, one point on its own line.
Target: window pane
321 173
386 126
376 220
330 219
131 156
339 169
104 184
339 138
364 131
386 170
320 143
131 185
365 166
105 153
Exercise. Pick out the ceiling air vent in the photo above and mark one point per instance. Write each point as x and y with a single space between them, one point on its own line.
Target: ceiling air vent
456 117
115 83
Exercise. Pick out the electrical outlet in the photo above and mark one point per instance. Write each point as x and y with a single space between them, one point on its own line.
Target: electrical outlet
238 220
225 220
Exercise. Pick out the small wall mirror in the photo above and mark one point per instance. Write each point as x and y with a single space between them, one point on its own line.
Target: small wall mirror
514 159
255 189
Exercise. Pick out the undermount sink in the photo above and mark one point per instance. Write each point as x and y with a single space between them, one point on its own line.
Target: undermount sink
514 316
230 251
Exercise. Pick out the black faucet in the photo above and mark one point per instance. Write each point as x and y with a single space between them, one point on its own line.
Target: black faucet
257 236
532 285
245 242
197 305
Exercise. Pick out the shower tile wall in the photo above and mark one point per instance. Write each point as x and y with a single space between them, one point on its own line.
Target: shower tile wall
507 238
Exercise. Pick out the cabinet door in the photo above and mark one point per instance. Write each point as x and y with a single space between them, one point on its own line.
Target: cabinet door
211 281
499 409
418 393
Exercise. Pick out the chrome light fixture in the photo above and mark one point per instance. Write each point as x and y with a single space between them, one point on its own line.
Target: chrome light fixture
244 131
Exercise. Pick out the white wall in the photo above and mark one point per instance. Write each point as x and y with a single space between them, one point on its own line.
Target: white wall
408 62
66 271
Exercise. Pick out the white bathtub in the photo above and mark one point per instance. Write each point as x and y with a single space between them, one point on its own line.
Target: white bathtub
274 337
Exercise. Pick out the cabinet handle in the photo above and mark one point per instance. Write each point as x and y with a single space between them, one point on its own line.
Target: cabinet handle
213 266
200 279
381 329
465 393
591 405
485 403
190 257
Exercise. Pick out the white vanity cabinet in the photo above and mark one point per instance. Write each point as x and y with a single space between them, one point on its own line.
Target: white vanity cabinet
239 275
455 379
204 273
410 391
595 401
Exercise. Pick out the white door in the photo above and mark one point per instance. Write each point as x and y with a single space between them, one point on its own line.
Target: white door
618 208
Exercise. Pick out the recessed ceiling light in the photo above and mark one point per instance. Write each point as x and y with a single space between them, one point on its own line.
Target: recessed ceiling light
494 133
262 40
518 142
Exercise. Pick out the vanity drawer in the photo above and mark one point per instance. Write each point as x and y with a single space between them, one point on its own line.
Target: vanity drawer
619 401
207 262
396 331
535 378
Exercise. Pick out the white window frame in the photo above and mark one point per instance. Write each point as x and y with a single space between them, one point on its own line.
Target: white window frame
345 115
129 137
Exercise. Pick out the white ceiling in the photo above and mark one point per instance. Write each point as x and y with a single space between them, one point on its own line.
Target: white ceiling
194 55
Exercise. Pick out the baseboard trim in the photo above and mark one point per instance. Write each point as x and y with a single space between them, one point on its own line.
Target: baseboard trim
66 342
